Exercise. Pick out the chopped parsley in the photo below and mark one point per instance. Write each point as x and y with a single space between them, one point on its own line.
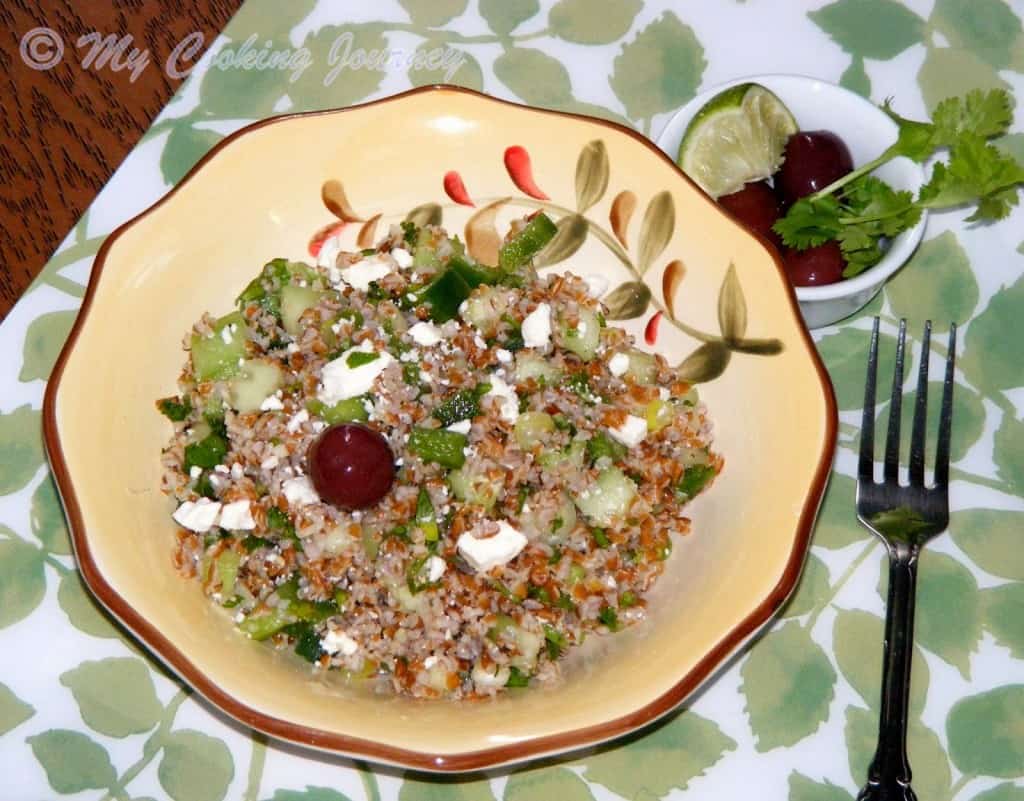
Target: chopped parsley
516 678
554 641
694 479
609 617
361 357
410 233
175 408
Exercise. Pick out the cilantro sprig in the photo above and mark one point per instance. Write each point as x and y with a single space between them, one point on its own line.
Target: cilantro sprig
861 212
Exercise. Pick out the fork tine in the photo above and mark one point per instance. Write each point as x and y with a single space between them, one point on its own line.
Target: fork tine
946 415
917 434
892 440
866 467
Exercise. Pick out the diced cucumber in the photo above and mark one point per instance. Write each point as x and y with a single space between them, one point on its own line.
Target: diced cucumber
262 627
608 499
294 301
474 488
217 356
659 413
555 530
425 259
484 309
349 410
574 455
643 367
253 384
533 365
690 457
583 338
227 571
521 248
532 427
694 479
444 295
529 645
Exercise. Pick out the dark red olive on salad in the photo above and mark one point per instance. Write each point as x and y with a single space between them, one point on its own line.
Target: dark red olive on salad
351 466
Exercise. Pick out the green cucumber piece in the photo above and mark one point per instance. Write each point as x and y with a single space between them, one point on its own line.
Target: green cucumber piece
582 339
294 301
216 357
608 499
253 384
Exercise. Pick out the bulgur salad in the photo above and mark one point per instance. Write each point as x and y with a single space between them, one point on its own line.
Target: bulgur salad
433 475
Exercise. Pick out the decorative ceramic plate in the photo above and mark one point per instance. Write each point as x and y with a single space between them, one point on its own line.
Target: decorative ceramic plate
681 276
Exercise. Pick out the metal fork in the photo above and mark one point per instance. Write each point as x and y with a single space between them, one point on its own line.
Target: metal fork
904 517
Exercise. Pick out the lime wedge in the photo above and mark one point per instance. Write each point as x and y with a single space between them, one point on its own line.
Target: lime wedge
737 137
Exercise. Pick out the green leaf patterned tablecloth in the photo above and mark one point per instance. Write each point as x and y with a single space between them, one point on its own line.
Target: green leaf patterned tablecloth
84 711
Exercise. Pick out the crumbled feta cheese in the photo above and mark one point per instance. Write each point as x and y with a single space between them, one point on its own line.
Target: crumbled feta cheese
297 420
618 364
411 355
463 307
237 471
503 356
216 481
425 334
425 376
299 491
663 393
270 462
329 250
402 257
335 641
537 327
632 431
461 427
195 471
292 348
509 399
429 662
222 469
435 568
484 678
237 516
484 553
226 336
319 425
597 284
271 403
361 274
341 382
197 516
479 342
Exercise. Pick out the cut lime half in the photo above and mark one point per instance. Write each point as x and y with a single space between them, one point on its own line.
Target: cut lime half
738 136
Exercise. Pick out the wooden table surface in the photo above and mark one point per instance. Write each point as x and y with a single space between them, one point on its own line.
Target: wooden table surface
65 129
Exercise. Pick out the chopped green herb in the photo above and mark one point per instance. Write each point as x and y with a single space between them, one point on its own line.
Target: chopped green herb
278 520
556 556
524 493
425 516
410 233
627 599
579 383
208 452
175 408
601 445
444 295
539 594
204 486
438 445
565 602
514 338
253 543
341 600
600 537
694 479
576 573
361 357
376 293
307 643
556 524
554 641
411 373
609 617
516 678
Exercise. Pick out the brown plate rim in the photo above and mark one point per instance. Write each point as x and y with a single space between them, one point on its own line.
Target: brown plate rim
380 752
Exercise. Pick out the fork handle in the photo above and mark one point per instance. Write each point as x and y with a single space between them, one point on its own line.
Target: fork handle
889 774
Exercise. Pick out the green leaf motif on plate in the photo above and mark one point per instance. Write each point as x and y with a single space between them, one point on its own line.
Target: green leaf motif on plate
311 793
880 29
986 733
1004 615
195 767
706 363
47 518
576 20
21 448
837 524
13 711
340 74
444 64
433 13
857 639
656 228
45 337
666 757
22 581
812 590
846 356
953 72
938 277
229 92
592 171
424 787
82 610
660 69
968 414
548 782
185 146
569 237
932 775
1001 792
992 538
947 620
788 682
115 696
991 353
1008 453
988 28
856 79
802 788
534 76
504 16
73 762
